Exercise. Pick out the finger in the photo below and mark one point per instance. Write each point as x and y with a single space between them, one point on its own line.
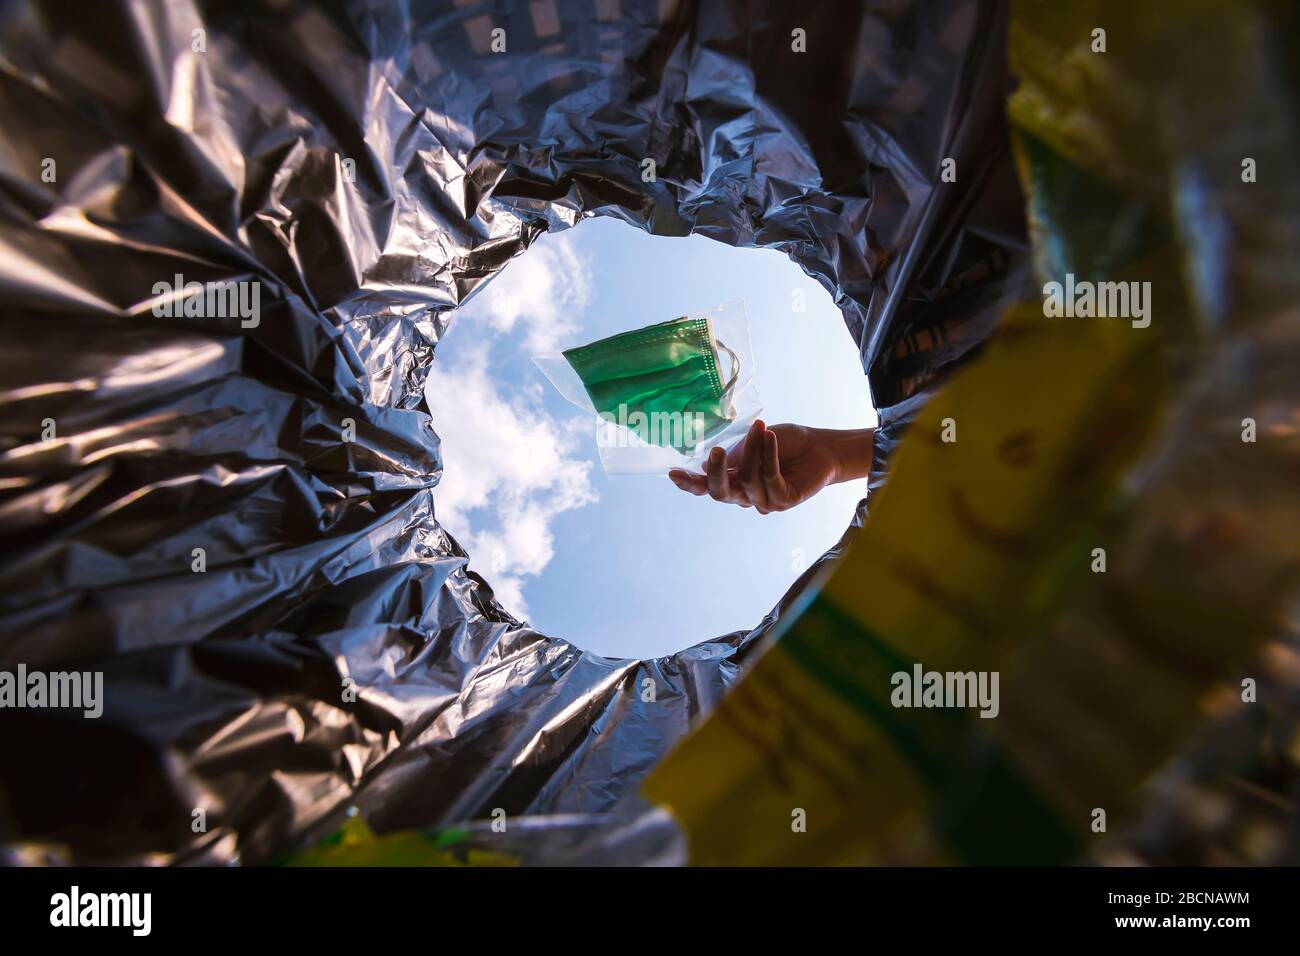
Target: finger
735 494
750 480
775 488
685 480
719 486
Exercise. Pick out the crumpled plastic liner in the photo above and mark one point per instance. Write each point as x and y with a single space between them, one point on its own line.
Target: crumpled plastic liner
371 165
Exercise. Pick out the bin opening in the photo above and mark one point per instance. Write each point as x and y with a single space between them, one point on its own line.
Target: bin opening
629 566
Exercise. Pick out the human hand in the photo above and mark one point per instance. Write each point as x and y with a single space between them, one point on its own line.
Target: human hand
776 468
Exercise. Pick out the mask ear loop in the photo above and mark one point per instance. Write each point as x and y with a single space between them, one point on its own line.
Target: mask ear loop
731 382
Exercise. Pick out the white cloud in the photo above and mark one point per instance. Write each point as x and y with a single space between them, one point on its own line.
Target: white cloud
542 291
509 467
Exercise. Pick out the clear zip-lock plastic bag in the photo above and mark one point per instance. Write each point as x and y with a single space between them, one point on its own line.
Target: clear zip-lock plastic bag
663 395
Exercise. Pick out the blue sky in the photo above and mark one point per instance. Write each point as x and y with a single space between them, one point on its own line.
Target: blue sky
629 566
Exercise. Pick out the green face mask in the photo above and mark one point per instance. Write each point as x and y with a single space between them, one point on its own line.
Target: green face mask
662 382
